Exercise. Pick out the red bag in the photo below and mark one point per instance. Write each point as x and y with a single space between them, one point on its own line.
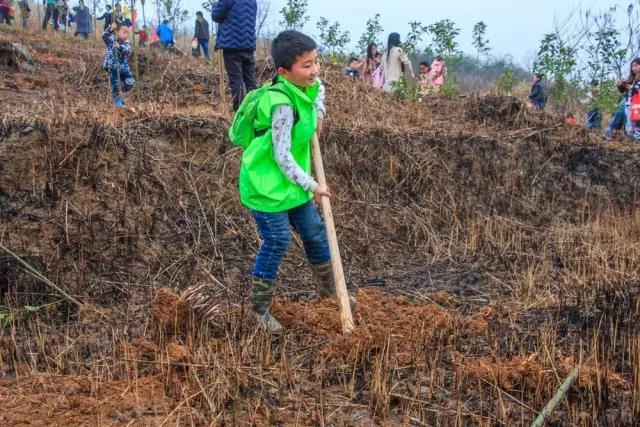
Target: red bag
635 108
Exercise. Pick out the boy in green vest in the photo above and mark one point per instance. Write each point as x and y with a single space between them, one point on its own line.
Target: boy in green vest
275 174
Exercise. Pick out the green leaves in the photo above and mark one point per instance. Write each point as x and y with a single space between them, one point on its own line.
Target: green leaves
333 39
371 33
295 14
443 38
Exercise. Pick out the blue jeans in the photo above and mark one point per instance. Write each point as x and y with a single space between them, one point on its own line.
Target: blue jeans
122 78
275 231
204 44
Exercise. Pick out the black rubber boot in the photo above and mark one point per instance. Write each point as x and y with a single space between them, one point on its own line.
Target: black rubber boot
260 303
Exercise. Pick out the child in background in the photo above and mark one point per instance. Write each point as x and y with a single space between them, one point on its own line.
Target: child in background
275 174
594 112
424 81
370 63
116 61
438 73
143 36
353 68
570 119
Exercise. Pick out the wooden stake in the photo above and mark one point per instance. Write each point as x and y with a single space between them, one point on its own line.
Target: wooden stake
223 94
549 407
336 262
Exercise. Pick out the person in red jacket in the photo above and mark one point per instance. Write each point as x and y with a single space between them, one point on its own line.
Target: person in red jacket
143 36
6 12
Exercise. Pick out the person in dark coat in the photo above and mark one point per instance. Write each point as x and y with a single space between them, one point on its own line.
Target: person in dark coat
237 39
201 34
537 96
83 20
107 16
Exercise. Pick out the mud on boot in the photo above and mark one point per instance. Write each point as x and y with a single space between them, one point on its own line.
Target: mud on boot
260 302
325 283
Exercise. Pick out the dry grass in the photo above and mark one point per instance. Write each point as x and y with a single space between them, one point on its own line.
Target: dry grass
504 247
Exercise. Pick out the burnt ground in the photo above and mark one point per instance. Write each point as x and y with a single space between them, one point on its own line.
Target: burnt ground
491 248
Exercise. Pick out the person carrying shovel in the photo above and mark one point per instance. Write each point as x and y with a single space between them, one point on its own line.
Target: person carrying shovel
275 175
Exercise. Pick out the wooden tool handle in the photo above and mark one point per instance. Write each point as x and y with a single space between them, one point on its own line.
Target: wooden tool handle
336 262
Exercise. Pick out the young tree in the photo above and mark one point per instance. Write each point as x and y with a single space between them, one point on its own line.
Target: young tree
416 33
555 58
333 39
294 14
172 11
443 35
371 33
480 42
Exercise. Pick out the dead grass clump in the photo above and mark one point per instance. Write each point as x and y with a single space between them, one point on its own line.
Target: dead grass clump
169 311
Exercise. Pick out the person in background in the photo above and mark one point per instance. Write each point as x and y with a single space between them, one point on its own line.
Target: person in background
25 11
570 119
438 73
353 68
143 36
630 89
594 113
395 63
107 16
6 12
425 81
83 20
201 34
370 63
165 34
50 12
116 61
537 95
237 39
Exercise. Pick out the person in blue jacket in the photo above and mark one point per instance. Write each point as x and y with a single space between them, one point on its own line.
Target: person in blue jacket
537 96
165 34
236 38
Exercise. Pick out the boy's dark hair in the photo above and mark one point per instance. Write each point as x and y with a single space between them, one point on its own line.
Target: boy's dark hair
198 13
108 7
353 59
289 46
539 76
165 22
425 63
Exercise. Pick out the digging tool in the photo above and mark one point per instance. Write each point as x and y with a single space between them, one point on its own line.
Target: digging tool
549 407
346 318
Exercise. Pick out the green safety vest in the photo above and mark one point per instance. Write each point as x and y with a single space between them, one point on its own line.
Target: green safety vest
263 186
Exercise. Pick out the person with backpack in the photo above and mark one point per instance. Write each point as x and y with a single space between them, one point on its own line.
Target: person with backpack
275 125
201 34
237 39
537 95
395 63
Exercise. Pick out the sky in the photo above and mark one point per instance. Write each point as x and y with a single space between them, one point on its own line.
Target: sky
514 27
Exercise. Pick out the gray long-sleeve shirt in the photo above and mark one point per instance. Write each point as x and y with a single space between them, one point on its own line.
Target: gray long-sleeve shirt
282 123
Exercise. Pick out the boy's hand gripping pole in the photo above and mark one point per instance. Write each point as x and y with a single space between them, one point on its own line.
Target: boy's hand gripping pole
336 262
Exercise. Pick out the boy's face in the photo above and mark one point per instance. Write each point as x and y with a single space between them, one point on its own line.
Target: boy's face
123 34
424 69
304 71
